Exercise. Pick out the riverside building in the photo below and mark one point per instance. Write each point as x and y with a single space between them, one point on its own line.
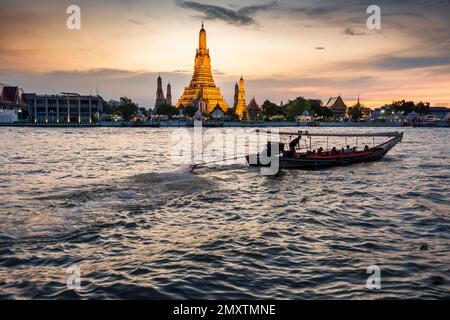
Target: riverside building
12 103
65 108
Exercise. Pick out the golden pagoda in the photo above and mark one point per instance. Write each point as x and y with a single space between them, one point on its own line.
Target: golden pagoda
239 103
202 91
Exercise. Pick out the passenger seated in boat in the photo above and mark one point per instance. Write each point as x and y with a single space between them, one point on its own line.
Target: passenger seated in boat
366 148
334 151
320 151
348 150
342 150
269 148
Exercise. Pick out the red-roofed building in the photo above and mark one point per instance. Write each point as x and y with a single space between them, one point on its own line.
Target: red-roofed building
12 97
337 107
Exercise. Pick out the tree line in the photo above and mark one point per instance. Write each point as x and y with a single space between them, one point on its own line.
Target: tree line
126 108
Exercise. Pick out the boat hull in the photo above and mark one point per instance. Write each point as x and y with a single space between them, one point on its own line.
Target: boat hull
319 162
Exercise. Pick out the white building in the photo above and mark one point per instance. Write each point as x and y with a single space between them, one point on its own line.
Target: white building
66 108
8 116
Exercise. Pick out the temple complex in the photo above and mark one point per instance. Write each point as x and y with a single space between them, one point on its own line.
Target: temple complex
202 91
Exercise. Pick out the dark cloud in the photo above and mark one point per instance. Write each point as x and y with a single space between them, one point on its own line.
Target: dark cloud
101 72
255 8
346 10
432 64
310 11
326 81
320 48
139 23
399 63
427 21
140 85
213 12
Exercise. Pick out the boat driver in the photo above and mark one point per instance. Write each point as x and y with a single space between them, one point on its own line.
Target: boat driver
293 146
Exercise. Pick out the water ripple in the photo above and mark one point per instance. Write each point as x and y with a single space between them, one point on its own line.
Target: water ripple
140 227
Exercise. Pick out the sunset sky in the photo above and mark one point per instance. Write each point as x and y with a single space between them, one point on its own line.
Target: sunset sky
283 48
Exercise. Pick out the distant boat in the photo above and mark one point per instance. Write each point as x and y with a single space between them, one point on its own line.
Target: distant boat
294 158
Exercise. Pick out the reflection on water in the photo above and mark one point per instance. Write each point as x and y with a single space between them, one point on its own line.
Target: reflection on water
111 201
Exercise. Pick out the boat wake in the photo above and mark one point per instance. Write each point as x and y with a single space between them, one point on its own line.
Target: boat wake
64 211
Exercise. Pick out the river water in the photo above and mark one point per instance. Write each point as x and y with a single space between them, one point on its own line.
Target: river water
111 202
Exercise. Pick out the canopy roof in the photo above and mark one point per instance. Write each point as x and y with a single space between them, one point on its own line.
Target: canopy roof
306 133
217 113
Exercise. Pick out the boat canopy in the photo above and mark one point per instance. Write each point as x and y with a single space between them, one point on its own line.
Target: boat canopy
310 134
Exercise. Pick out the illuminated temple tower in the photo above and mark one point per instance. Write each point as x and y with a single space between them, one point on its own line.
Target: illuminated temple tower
202 91
239 103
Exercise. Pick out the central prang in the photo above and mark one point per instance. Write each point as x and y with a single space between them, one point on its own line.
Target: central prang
202 92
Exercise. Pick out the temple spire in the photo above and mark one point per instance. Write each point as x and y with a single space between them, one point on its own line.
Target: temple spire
202 38
169 94
236 95
160 99
202 80
240 104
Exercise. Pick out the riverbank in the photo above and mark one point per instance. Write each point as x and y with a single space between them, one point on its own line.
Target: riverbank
211 124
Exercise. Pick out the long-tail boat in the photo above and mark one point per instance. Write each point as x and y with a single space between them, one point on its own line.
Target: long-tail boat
295 158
